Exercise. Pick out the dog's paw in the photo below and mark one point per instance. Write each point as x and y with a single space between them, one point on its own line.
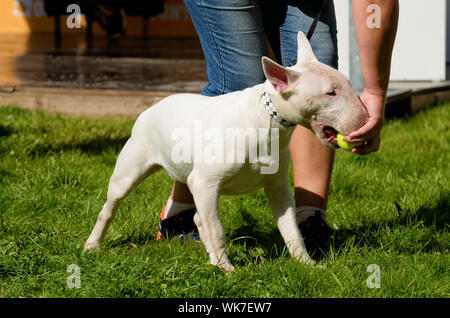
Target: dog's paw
310 262
91 246
322 266
227 268
305 259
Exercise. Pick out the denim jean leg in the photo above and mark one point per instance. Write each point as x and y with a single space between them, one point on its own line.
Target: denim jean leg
232 37
300 15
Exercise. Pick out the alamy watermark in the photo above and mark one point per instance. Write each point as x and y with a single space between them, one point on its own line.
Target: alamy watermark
74 279
374 280
36 8
73 20
374 19
227 146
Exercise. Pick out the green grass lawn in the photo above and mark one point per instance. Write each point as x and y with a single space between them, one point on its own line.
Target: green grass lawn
390 208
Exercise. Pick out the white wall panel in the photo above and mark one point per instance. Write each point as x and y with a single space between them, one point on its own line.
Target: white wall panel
420 48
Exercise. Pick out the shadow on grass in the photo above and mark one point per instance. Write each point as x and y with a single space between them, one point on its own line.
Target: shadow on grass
94 146
5 131
251 236
248 240
436 218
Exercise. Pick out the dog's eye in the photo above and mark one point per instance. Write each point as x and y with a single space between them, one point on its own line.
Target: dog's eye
331 93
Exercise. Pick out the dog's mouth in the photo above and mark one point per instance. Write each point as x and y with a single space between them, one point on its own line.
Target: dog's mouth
330 135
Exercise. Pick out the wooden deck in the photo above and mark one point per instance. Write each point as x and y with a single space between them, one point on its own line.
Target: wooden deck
126 77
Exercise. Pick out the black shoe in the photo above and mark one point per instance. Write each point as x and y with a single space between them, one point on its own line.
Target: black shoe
316 235
180 225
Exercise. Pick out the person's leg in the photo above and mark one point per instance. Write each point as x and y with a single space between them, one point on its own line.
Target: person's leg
312 165
312 161
232 38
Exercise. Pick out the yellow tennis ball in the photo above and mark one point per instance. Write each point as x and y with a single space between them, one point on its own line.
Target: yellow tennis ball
346 145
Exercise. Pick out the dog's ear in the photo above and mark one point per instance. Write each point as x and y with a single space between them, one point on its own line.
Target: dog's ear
283 79
304 49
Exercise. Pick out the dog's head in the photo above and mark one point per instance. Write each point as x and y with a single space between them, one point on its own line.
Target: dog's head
315 95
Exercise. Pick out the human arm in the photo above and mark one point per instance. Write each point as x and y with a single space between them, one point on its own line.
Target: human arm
375 51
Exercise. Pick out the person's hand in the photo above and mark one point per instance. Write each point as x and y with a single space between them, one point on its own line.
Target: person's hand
370 132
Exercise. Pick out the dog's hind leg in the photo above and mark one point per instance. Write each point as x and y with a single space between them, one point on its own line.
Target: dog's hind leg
132 167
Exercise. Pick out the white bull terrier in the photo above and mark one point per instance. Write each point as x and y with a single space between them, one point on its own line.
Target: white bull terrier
310 94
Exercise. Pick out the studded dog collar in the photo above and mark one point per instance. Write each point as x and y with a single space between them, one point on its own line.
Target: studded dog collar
266 101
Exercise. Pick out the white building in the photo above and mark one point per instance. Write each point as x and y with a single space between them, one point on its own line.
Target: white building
420 52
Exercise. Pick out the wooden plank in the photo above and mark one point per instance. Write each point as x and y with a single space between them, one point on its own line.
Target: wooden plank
82 102
99 102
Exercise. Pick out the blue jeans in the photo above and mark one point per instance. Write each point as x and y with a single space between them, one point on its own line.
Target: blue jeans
233 37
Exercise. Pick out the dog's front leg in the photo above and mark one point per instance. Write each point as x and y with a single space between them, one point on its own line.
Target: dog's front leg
282 206
208 222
